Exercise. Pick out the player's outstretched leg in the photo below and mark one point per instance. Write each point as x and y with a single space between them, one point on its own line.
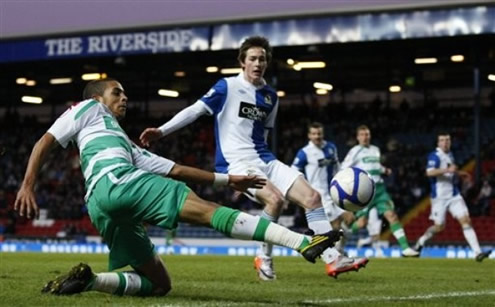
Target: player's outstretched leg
241 225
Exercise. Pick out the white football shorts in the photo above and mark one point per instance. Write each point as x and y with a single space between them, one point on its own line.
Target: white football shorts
439 206
278 173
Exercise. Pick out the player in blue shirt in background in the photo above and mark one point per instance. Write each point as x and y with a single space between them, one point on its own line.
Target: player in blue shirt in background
319 162
445 195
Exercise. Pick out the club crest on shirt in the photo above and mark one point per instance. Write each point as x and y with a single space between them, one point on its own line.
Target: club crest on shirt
253 112
268 99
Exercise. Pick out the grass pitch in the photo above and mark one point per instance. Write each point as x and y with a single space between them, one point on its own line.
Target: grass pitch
231 281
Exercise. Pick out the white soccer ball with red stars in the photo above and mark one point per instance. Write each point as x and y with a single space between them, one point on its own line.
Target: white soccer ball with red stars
352 189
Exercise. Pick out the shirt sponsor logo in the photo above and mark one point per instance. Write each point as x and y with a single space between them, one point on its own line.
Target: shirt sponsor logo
371 159
325 162
250 111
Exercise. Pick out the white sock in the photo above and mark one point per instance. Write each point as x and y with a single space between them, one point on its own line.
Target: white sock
472 239
267 248
429 233
330 255
318 222
121 283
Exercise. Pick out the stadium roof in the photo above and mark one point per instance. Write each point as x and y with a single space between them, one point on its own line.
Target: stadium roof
371 65
42 17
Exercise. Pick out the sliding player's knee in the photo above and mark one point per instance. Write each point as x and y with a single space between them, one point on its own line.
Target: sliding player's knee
162 289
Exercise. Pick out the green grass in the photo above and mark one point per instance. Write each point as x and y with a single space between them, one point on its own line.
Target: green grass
231 281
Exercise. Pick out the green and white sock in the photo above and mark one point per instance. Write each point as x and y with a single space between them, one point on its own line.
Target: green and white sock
121 283
400 235
354 227
244 226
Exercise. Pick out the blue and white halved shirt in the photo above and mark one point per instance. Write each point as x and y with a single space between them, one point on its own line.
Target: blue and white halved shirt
242 113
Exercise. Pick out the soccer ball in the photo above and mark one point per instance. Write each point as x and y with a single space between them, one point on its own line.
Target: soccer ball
352 189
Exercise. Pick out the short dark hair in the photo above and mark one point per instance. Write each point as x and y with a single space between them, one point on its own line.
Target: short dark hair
96 87
255 41
442 133
315 125
362 127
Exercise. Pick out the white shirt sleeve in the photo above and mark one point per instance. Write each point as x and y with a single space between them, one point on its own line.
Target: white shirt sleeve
150 162
184 117
68 125
348 160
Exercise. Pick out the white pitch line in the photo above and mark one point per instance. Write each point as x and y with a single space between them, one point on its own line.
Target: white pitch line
401 298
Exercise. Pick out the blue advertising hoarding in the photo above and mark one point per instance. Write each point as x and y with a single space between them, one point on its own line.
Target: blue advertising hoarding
454 252
150 42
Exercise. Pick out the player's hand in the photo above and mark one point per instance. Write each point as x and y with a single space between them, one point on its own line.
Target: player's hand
25 203
452 169
149 135
242 183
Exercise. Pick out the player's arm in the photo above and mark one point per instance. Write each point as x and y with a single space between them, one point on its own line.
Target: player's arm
336 159
433 168
195 175
150 162
349 159
300 161
383 169
25 202
180 120
212 102
434 172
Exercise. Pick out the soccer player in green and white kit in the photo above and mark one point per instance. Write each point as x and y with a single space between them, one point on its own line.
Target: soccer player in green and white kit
124 189
367 157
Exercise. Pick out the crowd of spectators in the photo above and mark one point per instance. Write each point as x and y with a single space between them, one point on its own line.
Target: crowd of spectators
405 135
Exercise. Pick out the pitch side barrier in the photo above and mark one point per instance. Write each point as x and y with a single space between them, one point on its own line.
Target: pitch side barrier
247 250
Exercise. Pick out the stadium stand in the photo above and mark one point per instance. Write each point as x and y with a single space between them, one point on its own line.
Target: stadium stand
405 136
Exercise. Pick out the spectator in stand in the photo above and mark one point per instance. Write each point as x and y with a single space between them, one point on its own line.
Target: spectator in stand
482 204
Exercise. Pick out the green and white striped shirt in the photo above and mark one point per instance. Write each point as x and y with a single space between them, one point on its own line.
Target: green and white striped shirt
365 158
103 145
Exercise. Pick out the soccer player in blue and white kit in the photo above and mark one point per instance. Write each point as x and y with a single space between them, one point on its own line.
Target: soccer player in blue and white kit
319 161
245 108
442 172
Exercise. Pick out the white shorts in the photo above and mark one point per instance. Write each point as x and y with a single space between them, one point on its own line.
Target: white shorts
374 225
278 173
332 211
456 206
